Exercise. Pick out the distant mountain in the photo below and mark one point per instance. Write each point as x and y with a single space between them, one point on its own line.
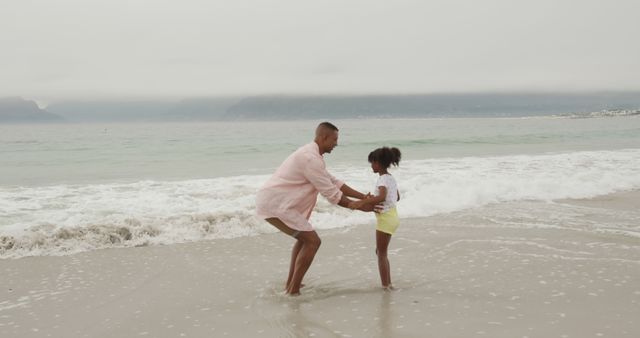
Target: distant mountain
436 105
202 109
196 109
19 110
111 110
285 107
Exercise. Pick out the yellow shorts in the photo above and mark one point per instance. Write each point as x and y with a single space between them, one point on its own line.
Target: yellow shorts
388 221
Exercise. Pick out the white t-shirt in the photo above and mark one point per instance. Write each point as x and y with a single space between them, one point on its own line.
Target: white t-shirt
388 182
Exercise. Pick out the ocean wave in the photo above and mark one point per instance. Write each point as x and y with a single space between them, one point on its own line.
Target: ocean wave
58 239
600 114
64 219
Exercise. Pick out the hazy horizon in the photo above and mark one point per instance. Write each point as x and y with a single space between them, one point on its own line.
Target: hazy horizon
148 49
274 107
43 104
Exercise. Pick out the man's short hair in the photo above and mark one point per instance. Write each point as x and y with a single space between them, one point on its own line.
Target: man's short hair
328 125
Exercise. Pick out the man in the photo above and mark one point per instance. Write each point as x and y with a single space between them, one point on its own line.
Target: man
289 196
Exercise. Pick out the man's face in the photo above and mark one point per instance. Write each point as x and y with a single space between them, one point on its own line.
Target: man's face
330 141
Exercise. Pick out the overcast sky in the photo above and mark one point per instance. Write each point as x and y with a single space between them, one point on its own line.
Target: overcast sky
62 49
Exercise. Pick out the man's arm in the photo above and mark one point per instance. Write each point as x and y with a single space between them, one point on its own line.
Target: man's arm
345 201
381 197
350 192
371 201
348 203
315 172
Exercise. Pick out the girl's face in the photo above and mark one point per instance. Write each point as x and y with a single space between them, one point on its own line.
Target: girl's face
375 166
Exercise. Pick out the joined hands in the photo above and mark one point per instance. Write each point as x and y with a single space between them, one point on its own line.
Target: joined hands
362 205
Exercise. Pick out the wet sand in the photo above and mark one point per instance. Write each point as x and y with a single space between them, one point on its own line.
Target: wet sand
463 274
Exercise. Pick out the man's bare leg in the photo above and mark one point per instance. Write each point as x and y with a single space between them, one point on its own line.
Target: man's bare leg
294 256
310 245
297 248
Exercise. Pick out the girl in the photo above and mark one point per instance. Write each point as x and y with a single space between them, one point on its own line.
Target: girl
387 195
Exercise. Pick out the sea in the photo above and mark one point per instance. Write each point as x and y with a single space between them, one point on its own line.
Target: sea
69 188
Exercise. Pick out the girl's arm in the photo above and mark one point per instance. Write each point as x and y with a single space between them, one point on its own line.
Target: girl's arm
373 200
350 192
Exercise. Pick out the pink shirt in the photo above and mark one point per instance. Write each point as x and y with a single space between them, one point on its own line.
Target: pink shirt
291 193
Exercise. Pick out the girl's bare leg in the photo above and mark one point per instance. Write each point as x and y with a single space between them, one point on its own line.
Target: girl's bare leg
382 244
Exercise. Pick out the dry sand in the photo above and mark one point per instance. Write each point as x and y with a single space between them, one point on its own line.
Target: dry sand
457 275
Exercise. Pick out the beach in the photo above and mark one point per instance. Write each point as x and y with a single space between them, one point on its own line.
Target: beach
458 274
144 145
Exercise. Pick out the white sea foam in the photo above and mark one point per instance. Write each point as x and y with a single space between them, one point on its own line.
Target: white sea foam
444 185
64 219
602 113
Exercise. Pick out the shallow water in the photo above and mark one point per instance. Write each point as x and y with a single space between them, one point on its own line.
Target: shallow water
78 187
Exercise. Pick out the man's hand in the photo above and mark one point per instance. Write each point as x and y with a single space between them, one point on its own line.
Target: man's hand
378 208
356 205
369 208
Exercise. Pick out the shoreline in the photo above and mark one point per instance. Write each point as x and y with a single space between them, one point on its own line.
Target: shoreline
457 275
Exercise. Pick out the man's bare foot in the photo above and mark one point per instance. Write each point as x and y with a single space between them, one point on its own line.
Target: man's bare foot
287 287
388 288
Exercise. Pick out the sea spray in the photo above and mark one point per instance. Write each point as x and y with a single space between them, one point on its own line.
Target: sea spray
63 219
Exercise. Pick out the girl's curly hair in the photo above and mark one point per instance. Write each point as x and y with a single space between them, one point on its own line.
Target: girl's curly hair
385 156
